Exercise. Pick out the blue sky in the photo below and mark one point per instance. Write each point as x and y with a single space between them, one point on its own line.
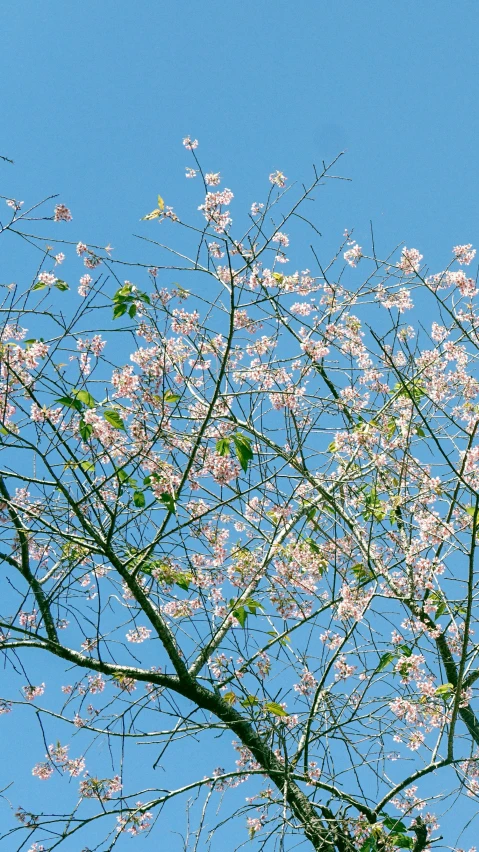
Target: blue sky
96 97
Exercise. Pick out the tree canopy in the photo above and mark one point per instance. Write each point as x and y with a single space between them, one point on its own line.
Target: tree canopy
239 515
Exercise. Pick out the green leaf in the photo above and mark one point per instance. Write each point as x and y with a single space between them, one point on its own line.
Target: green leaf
314 547
471 510
249 701
155 214
437 599
122 475
243 449
230 698
139 499
401 840
391 428
143 297
113 418
39 286
119 310
171 397
85 430
132 310
361 572
241 615
3 431
161 203
284 640
169 502
275 708
123 293
87 466
406 651
68 402
445 690
385 660
369 845
223 447
410 390
61 285
332 447
85 397
253 605
393 824
374 507
420 432
182 581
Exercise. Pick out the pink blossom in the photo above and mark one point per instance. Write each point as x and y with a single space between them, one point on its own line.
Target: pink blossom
125 683
277 178
28 619
43 771
466 286
316 349
256 208
212 209
85 282
15 205
290 398
255 824
410 261
182 609
92 261
125 383
95 345
183 322
40 415
280 238
137 821
222 468
354 602
190 144
47 278
215 250
62 214
343 670
464 254
96 684
138 634
390 299
415 740
353 255
74 766
102 789
307 683
438 332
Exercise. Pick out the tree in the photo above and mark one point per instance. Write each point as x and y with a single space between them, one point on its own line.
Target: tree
243 507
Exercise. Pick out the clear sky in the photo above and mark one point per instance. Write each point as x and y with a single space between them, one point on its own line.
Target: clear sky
95 98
